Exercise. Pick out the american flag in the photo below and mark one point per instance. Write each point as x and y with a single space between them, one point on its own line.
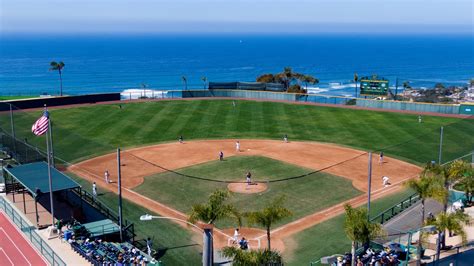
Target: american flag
41 125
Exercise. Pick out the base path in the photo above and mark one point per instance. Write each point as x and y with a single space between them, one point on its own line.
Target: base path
14 248
349 163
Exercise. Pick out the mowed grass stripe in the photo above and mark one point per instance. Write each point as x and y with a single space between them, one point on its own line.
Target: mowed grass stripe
152 122
152 126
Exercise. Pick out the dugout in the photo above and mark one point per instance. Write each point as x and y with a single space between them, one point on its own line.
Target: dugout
27 186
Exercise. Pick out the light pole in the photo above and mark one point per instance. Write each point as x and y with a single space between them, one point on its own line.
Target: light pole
207 247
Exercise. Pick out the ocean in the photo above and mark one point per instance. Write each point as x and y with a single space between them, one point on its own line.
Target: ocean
114 63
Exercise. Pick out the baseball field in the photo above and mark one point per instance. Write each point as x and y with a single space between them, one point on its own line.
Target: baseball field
322 166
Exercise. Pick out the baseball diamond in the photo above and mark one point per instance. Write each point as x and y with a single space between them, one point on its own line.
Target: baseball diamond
315 156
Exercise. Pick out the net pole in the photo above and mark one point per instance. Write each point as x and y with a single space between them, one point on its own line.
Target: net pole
12 123
119 180
369 180
440 145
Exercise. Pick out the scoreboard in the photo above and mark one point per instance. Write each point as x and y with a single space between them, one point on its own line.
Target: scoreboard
373 86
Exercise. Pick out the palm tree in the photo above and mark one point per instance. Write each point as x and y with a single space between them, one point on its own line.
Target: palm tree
356 79
406 85
215 209
309 79
271 213
144 86
453 222
204 81
427 186
266 78
449 174
185 82
59 67
467 182
253 257
286 77
358 229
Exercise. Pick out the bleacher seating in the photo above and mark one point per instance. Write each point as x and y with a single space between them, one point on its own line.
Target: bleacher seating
99 252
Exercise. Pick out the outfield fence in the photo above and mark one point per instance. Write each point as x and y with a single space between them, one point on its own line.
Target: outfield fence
31 234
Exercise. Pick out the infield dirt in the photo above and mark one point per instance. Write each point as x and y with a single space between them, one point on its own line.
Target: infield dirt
349 163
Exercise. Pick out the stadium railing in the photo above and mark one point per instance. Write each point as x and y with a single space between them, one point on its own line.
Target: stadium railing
395 209
31 234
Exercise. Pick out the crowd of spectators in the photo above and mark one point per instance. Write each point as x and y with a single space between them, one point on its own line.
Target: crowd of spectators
388 256
100 252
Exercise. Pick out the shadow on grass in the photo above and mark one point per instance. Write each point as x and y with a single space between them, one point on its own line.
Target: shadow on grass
162 251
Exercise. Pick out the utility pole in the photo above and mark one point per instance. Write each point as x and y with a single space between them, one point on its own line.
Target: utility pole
369 180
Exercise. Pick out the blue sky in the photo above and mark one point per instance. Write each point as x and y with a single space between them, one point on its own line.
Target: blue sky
139 16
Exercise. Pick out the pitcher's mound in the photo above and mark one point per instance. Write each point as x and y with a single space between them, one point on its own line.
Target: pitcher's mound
247 189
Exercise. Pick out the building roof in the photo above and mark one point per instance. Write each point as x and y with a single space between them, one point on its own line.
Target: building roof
34 176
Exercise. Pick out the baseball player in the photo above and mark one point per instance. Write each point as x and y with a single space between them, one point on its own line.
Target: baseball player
381 158
248 178
385 180
94 190
237 146
221 156
107 176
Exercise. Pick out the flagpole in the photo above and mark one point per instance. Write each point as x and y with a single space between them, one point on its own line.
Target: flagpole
51 143
48 149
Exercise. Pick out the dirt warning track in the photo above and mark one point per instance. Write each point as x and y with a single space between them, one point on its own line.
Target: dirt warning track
349 163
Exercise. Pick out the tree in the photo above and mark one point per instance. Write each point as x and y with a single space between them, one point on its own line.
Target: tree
59 67
253 257
204 81
358 229
271 213
406 85
144 86
185 82
449 173
471 83
356 79
309 79
266 78
286 77
467 183
452 222
427 186
215 209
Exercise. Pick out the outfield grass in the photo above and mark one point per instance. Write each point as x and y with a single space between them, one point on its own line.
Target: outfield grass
328 238
87 131
303 195
8 98
174 243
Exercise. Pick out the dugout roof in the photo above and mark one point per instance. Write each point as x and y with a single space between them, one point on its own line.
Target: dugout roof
35 175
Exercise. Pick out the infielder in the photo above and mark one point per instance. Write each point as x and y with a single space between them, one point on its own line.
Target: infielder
107 176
